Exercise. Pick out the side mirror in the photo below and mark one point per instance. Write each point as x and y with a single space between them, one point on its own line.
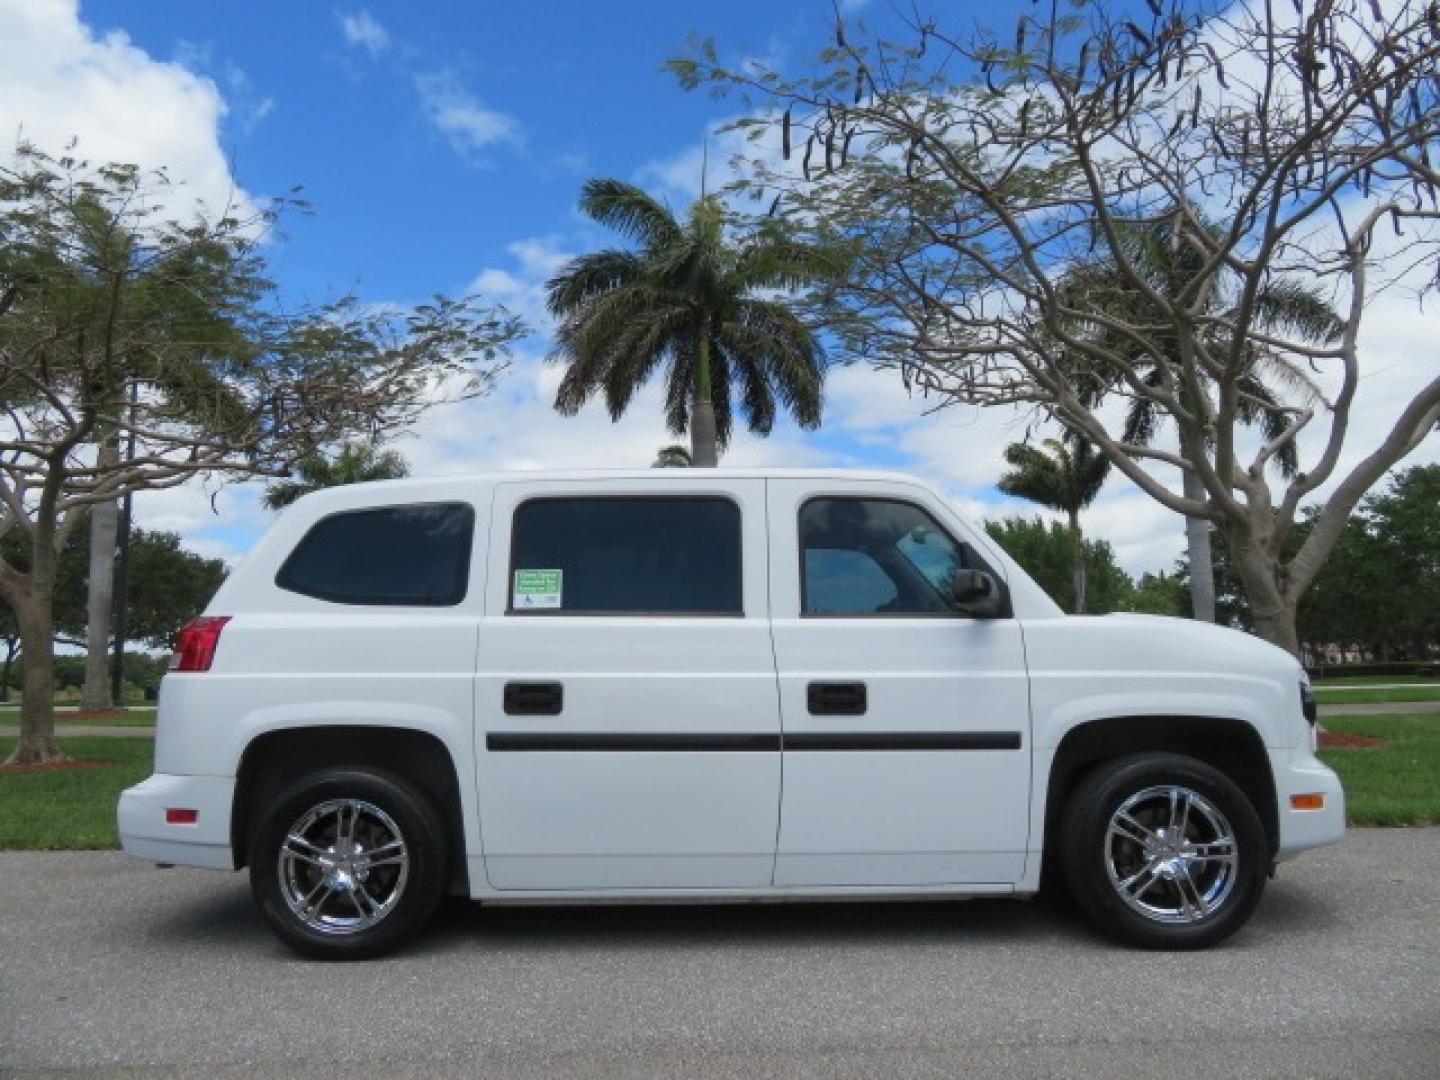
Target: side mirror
978 594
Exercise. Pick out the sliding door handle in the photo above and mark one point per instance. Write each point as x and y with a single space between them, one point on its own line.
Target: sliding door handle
534 698
836 698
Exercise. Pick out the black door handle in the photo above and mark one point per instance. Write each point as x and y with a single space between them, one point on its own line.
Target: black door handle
534 698
836 698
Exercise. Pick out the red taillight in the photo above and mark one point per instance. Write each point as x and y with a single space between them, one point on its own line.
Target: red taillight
181 815
195 647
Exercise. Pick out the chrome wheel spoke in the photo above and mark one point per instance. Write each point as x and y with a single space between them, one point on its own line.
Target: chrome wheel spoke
313 906
1126 826
1145 878
299 848
1180 802
345 834
366 904
1191 901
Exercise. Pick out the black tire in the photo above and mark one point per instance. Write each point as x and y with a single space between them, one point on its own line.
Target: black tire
1088 855
380 803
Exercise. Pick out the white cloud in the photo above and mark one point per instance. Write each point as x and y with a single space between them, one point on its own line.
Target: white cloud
60 82
459 116
363 31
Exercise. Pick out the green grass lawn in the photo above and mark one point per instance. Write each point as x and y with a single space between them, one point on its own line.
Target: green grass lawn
1359 695
129 718
1393 785
71 808
75 808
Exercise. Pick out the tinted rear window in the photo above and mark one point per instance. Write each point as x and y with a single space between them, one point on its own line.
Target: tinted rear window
659 556
409 555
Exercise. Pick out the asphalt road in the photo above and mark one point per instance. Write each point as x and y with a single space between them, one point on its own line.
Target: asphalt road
114 968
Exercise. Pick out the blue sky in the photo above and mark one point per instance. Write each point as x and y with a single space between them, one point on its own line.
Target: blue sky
429 136
442 146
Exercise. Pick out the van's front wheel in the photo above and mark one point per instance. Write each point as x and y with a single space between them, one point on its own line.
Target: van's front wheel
1163 851
348 864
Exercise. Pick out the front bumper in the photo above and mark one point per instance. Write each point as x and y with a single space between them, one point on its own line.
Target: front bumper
1300 772
145 834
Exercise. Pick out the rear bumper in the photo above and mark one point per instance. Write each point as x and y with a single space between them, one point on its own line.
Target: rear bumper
1301 773
145 834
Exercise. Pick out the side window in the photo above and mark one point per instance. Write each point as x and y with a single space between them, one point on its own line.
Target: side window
626 556
403 555
877 557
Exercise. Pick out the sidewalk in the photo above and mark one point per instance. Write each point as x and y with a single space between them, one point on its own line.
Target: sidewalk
79 731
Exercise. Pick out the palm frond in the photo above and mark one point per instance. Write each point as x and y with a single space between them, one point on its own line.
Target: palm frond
584 278
630 211
1296 308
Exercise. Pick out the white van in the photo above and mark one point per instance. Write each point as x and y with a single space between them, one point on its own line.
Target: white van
707 684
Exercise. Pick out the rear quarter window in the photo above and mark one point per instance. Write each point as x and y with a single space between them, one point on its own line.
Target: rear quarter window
416 555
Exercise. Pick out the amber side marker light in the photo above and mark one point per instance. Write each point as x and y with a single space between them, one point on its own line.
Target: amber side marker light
1307 802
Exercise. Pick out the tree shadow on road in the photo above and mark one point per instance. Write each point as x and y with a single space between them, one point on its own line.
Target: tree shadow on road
959 923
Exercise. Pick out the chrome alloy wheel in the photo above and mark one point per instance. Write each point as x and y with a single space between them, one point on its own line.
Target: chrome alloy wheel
343 866
1171 855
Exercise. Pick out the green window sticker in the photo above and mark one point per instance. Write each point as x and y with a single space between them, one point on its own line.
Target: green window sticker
538 589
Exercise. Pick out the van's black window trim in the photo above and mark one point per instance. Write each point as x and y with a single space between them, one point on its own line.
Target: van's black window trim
586 613
460 585
1006 612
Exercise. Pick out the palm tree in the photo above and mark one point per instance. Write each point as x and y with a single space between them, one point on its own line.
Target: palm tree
1065 476
690 298
355 463
673 456
1169 262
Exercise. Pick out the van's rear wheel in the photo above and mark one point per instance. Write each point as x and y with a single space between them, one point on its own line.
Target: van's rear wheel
1163 851
348 863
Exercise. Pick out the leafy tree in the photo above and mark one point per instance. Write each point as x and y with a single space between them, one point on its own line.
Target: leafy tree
173 335
168 586
693 299
673 456
1405 521
962 175
1047 552
1158 594
1380 590
1165 263
356 462
1066 476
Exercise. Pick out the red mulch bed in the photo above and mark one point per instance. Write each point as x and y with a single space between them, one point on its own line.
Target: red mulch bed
1344 740
92 714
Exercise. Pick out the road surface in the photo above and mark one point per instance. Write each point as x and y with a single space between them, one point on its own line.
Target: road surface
113 968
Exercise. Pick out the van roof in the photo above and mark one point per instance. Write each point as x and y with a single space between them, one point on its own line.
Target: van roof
754 473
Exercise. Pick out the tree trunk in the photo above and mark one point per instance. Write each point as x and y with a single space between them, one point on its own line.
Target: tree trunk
703 450
100 600
1077 565
1272 609
1202 560
704 443
37 709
